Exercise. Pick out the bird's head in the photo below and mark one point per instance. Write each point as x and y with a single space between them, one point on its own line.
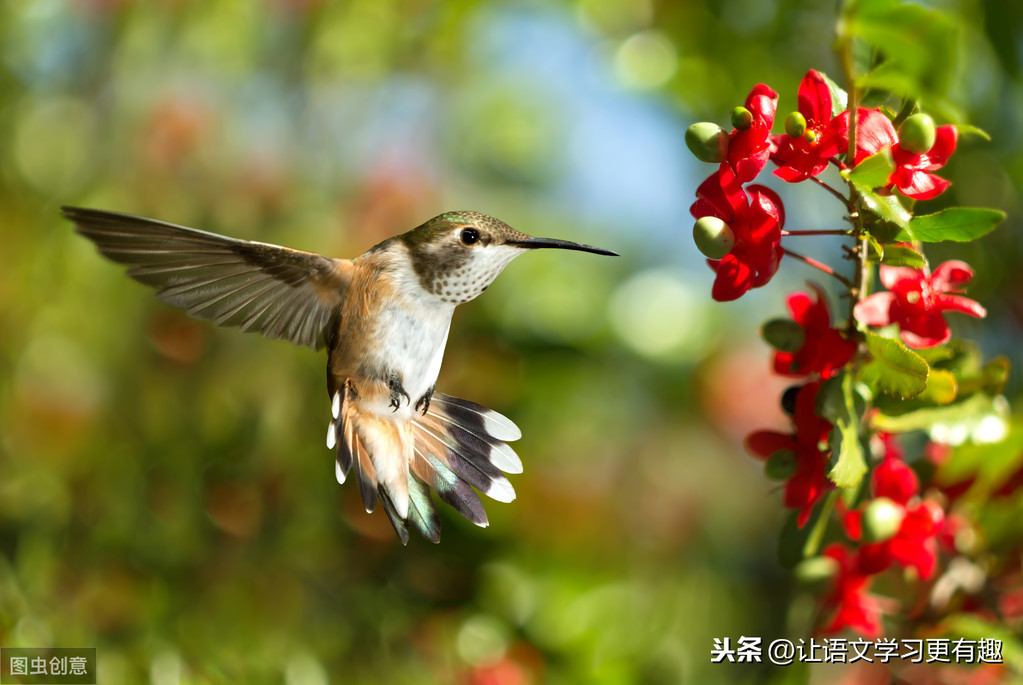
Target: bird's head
456 255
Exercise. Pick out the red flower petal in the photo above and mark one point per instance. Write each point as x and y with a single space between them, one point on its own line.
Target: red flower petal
951 275
912 173
891 276
853 524
874 558
958 303
765 443
920 553
833 352
874 132
896 481
793 168
734 279
815 98
874 311
800 305
824 350
720 195
749 149
922 521
917 184
923 331
854 607
944 145
770 203
935 158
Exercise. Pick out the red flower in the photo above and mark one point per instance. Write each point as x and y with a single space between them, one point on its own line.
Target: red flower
874 132
915 544
894 479
755 219
749 149
810 481
853 607
825 349
912 175
807 155
916 301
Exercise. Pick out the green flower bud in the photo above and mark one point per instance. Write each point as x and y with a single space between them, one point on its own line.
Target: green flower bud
795 124
742 118
708 142
917 134
881 520
713 237
784 335
781 465
810 136
816 573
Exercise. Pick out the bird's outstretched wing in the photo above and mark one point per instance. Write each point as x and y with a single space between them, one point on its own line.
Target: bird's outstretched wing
280 292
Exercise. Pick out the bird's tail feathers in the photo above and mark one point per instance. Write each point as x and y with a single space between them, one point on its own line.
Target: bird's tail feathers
455 447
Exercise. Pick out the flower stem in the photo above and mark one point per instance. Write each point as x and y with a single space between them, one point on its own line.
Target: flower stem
829 231
833 191
819 265
861 276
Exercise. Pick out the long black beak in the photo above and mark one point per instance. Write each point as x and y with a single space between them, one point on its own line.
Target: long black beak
536 243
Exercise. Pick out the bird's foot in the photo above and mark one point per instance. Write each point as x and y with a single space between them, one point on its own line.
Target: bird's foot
397 392
423 405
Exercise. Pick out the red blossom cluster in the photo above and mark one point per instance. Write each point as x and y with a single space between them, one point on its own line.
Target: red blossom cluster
895 526
818 138
894 521
825 350
808 481
916 299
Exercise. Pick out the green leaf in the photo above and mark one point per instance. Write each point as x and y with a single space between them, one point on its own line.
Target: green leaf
990 463
941 388
919 46
795 543
876 253
969 129
885 231
872 172
994 375
886 207
972 627
895 369
902 255
844 408
959 224
939 353
961 357
980 418
956 374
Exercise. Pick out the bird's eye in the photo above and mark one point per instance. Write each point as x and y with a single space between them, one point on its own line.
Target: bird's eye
469 236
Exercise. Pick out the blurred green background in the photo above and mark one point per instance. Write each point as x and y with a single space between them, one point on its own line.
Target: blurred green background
165 494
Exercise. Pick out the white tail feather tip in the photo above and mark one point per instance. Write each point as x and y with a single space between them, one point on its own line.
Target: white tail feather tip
401 506
500 426
503 457
331 436
501 490
335 404
338 473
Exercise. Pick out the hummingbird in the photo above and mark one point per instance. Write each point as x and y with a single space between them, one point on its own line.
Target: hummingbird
383 318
